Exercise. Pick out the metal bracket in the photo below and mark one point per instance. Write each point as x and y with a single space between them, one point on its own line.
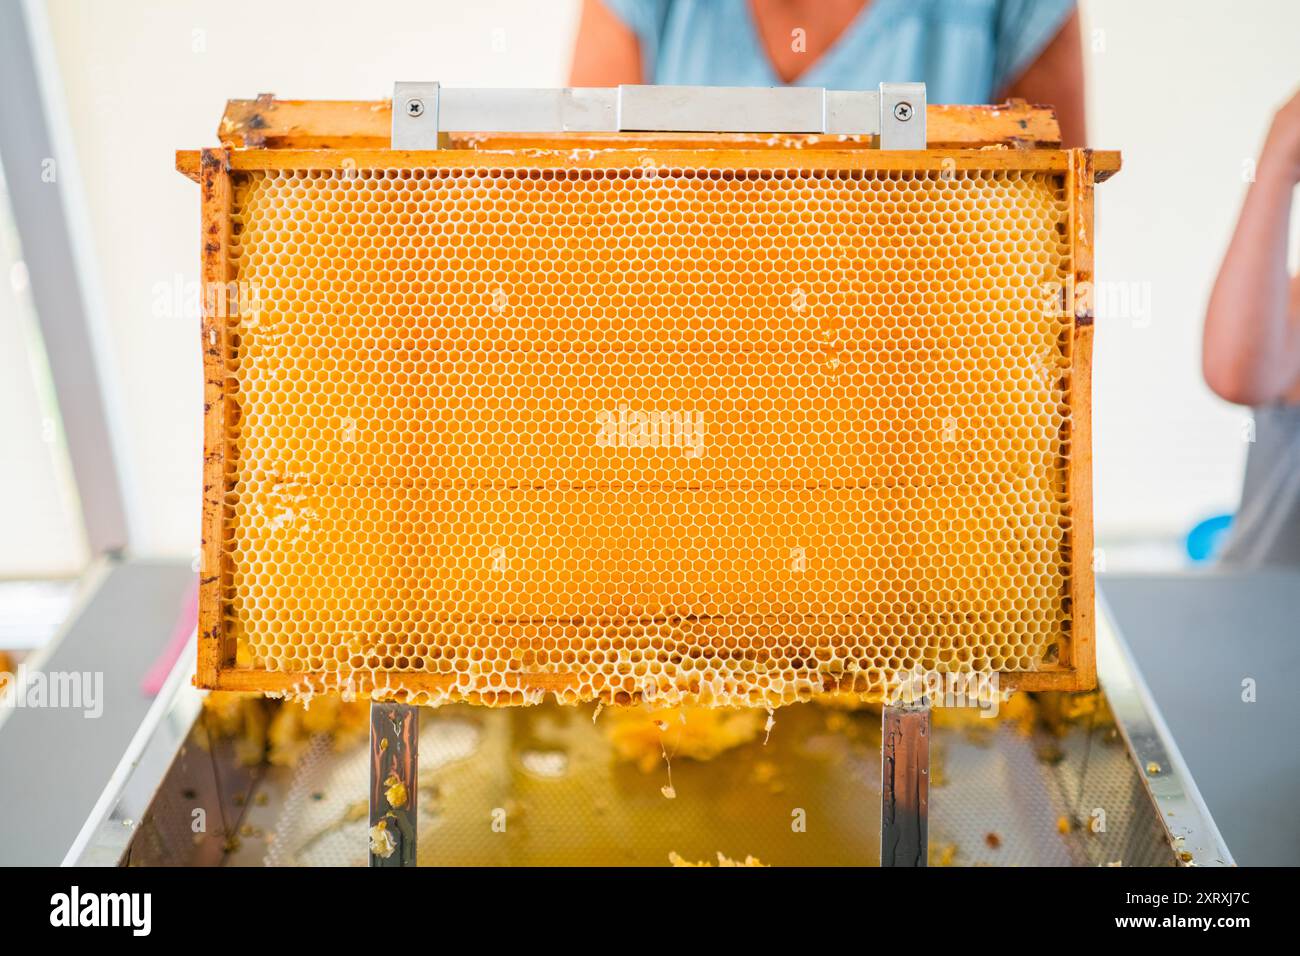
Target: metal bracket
896 113
394 781
416 109
902 116
905 784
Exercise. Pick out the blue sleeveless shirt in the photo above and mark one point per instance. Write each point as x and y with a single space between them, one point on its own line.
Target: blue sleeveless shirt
965 51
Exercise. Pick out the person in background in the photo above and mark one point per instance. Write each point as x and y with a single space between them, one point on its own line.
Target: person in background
965 51
1251 351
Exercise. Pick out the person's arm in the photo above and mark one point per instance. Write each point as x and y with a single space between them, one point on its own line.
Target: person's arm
1055 79
606 52
1251 347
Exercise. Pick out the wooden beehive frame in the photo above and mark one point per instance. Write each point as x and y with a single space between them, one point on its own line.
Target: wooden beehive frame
270 134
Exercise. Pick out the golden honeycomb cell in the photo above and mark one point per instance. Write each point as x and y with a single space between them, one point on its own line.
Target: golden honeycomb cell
693 435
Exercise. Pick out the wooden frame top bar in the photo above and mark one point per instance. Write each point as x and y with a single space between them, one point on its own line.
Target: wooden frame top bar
270 133
271 123
730 159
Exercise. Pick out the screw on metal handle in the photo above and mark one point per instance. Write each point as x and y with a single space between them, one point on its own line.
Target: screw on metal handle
903 112
415 107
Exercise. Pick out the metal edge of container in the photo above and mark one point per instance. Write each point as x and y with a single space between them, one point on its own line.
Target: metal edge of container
108 831
1186 819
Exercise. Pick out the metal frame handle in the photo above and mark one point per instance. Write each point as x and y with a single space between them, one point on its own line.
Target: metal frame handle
895 113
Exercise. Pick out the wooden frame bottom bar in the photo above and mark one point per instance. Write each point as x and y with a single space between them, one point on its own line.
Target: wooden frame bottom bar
400 685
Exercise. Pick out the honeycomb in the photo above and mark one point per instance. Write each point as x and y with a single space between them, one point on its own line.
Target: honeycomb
682 435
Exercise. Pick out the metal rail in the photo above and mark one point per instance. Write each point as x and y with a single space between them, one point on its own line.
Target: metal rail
394 756
1183 815
905 784
895 113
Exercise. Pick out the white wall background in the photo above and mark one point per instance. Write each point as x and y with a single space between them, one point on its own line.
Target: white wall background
1183 87
1186 90
40 523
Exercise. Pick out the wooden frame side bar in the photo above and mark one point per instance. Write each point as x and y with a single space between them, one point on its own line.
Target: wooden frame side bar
215 274
1081 653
